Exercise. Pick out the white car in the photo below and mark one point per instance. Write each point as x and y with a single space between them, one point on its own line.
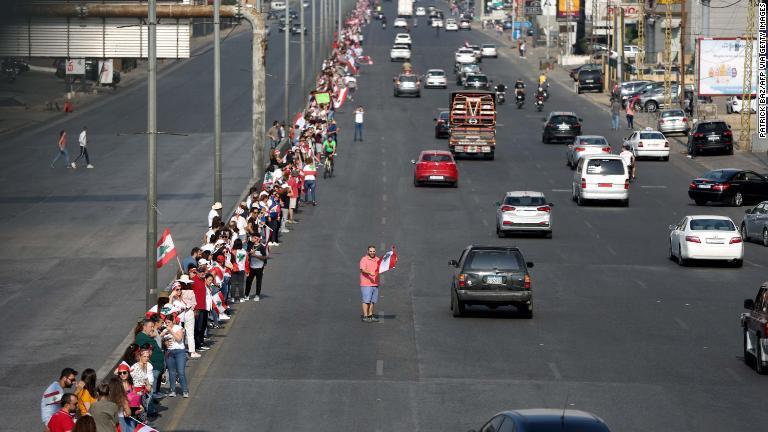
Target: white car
450 25
420 11
488 50
437 22
436 78
734 104
601 177
586 145
400 23
465 25
403 38
465 55
400 52
524 211
648 143
706 237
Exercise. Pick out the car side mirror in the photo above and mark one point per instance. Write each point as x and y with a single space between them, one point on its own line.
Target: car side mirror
749 304
672 227
748 211
729 126
453 263
529 264
434 119
413 161
544 119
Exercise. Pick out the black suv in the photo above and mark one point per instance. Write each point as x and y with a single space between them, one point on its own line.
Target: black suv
492 276
443 125
710 135
561 125
755 325
589 80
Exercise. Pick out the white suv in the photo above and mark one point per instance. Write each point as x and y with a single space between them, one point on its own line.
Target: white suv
601 177
735 103
403 38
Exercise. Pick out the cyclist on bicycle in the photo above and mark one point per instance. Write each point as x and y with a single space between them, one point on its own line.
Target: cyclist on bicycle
329 148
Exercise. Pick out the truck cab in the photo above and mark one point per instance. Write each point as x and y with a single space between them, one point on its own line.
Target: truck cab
755 325
473 123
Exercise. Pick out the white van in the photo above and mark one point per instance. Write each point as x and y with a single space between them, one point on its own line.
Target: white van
277 5
601 177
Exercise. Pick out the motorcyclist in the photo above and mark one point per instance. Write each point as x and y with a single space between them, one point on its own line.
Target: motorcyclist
540 92
520 88
384 21
501 88
628 157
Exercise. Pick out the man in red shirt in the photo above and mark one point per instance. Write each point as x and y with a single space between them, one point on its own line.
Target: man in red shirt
62 421
369 283
201 309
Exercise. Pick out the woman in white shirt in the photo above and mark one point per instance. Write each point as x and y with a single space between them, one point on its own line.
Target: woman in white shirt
141 373
176 356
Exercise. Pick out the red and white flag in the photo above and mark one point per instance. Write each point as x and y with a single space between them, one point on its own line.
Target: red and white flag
219 304
144 428
339 100
165 248
388 261
241 258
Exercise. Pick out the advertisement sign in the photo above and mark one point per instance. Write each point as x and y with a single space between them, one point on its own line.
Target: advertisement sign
75 66
721 67
106 71
568 9
631 10
533 7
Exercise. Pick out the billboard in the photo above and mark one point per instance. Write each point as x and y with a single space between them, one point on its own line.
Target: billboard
568 9
721 66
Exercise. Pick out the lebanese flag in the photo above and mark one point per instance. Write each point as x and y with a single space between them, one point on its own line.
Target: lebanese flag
241 260
165 248
218 303
388 261
144 428
351 65
298 121
339 100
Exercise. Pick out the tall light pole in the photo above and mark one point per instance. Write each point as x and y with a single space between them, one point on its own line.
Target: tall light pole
338 28
549 30
314 39
286 88
151 287
302 60
217 100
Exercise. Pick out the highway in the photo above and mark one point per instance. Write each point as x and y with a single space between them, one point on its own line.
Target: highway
619 330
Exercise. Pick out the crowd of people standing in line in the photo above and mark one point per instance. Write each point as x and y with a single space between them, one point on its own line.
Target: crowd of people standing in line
220 272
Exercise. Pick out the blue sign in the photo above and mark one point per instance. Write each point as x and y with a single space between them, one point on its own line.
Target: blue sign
516 34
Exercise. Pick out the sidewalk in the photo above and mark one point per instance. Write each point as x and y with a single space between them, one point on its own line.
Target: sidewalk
740 159
38 96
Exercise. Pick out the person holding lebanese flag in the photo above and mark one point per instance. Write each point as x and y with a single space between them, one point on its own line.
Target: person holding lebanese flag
370 268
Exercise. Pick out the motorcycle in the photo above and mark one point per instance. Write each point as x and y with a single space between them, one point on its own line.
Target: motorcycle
501 97
9 70
520 100
539 102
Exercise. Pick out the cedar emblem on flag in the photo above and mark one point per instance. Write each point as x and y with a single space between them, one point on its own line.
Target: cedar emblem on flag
219 304
165 248
388 261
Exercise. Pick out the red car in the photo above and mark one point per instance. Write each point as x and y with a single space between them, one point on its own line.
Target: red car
435 166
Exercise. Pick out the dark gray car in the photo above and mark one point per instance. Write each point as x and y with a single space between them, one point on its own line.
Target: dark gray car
755 224
491 276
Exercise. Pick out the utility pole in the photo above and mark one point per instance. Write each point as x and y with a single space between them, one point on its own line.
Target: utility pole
705 18
338 28
549 29
217 100
286 86
683 63
151 154
314 40
619 35
302 60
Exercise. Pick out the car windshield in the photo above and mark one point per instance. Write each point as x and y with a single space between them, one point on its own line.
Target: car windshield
400 47
592 141
445 115
712 225
477 78
605 167
525 201
489 46
563 119
436 73
712 127
651 135
675 113
718 175
466 51
491 260
435 158
407 78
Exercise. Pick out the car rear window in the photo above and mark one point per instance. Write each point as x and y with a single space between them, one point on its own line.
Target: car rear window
524 201
437 73
564 119
712 225
651 135
490 260
592 141
489 46
445 115
712 127
676 113
718 175
605 167
477 78
408 78
436 158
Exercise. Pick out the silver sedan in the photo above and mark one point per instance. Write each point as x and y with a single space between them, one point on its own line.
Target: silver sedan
673 120
755 224
585 145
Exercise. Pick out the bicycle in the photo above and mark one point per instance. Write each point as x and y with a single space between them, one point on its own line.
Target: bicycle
328 167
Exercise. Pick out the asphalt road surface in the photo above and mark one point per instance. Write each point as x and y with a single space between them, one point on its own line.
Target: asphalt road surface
619 330
73 266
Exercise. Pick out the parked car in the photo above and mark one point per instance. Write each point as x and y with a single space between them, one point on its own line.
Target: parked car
491 276
435 166
709 135
755 326
407 84
755 224
706 237
545 420
589 80
574 73
585 145
443 124
524 211
648 143
729 186
734 104
654 99
629 88
601 177
561 125
673 121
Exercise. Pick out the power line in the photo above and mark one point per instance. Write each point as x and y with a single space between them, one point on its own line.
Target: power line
726 6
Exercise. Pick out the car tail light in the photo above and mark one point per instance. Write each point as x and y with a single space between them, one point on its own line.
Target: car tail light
721 186
440 121
727 133
692 239
462 280
640 144
577 125
735 240
692 185
698 135
397 82
583 183
506 208
666 144
606 149
579 149
661 121
626 184
527 282
550 125
685 120
544 209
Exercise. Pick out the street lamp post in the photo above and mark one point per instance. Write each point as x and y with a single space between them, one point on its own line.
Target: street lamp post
286 88
151 286
302 60
217 187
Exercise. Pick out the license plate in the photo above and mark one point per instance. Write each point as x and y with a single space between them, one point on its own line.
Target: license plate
459 148
605 184
436 177
705 186
713 138
589 81
472 149
563 127
715 241
494 280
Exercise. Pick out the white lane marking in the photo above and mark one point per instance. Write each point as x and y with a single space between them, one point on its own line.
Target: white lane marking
610 249
384 197
383 163
383 179
734 375
485 222
561 190
538 166
555 371
589 225
653 187
476 199
383 220
681 323
754 263
641 283
379 367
